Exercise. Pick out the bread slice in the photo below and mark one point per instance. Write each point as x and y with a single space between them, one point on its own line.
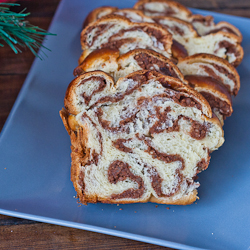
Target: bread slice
205 25
177 27
215 79
211 66
111 62
163 8
217 39
215 93
186 41
180 29
221 44
183 33
117 32
143 138
212 76
132 14
98 13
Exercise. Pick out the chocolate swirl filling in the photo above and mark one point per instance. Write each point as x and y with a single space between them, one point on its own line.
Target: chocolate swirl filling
119 171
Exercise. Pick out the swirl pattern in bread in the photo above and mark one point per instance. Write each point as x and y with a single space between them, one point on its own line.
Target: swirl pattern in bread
211 66
117 32
143 138
111 62
210 75
216 40
203 24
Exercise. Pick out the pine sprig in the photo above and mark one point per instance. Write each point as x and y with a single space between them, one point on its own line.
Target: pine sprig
19 33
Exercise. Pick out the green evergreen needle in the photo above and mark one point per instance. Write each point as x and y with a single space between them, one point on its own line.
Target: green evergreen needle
17 32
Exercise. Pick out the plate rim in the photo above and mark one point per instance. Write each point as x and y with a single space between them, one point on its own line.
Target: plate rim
83 226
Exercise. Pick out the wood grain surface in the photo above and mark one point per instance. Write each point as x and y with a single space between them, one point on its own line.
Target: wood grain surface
25 234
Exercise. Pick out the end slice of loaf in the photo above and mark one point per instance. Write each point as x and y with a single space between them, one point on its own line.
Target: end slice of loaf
142 138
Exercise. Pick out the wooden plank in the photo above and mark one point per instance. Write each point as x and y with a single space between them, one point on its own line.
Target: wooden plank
216 4
20 233
41 235
20 63
44 8
10 86
11 221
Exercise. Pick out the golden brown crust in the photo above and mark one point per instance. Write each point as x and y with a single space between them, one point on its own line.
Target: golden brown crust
64 116
127 10
185 200
95 199
112 56
168 2
104 55
208 20
94 14
156 55
79 154
212 59
70 92
208 86
178 51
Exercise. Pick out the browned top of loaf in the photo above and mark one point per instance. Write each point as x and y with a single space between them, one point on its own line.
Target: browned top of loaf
94 14
215 93
209 83
139 5
143 77
168 67
104 54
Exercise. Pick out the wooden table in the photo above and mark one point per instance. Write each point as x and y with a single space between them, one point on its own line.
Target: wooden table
20 233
